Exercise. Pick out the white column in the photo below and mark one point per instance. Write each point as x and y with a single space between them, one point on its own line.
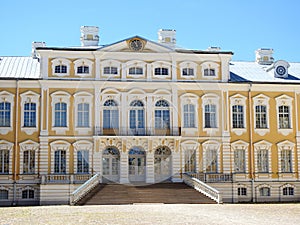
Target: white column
149 109
124 112
149 72
175 109
174 70
97 108
123 75
150 167
97 69
124 168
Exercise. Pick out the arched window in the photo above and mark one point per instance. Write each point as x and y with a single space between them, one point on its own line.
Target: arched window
110 114
3 194
162 163
28 194
288 191
111 163
60 69
137 117
209 72
265 191
162 114
82 69
161 71
136 71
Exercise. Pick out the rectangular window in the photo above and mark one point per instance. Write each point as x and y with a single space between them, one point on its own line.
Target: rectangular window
237 116
212 161
83 161
5 114
83 69
187 72
83 114
61 69
3 194
162 119
60 161
288 191
136 71
4 161
30 114
60 115
239 161
261 117
263 161
110 70
284 117
286 161
210 116
209 72
242 191
264 191
110 118
189 115
28 161
161 71
28 194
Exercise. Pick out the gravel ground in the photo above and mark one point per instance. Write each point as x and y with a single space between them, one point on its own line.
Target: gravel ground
154 214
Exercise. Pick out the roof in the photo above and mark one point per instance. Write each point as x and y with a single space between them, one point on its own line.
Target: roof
19 67
254 72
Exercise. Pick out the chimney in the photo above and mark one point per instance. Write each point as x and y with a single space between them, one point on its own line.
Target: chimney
167 37
264 56
35 45
89 35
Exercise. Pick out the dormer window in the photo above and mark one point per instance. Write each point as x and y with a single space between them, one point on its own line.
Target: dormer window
83 67
61 67
210 70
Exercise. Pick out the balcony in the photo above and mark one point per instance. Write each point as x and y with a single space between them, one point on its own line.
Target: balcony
65 178
147 131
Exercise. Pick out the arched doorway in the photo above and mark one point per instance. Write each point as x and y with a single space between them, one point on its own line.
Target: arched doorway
162 163
137 164
111 164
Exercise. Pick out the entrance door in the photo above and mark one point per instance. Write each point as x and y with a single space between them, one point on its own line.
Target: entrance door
111 165
162 164
137 165
190 161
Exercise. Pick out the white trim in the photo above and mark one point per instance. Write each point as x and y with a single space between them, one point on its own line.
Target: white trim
60 145
263 145
262 100
240 145
30 97
211 145
285 100
135 63
61 61
238 100
83 145
110 63
83 62
161 64
213 99
286 145
188 65
7 97
210 65
189 98
5 145
25 146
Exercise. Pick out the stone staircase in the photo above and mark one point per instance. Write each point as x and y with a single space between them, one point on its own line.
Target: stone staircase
168 193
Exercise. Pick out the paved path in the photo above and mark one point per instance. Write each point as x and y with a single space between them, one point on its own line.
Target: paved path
154 214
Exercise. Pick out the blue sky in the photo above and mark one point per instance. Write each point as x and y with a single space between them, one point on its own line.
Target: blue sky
240 26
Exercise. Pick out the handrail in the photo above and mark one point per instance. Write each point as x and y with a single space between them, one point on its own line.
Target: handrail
84 189
203 188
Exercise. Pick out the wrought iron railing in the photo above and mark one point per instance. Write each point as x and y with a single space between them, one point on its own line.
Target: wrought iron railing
203 188
146 131
84 189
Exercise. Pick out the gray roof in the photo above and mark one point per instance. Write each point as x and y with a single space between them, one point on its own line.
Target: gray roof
254 72
19 67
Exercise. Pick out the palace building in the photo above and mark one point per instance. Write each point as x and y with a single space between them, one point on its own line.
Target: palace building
142 112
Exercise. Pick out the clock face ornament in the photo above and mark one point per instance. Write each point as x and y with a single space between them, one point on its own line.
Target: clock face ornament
280 70
136 45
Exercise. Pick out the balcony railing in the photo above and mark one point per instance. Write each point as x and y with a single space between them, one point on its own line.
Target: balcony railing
65 178
212 177
147 131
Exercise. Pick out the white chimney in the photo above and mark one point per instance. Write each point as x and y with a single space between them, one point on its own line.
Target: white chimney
35 45
89 35
167 37
264 56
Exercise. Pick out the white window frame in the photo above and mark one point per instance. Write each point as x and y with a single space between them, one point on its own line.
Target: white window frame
161 64
25 146
83 145
83 97
30 97
56 146
188 65
83 62
208 146
238 100
285 100
57 97
7 97
193 99
135 63
5 145
210 99
210 65
61 61
286 145
261 100
263 145
111 63
240 145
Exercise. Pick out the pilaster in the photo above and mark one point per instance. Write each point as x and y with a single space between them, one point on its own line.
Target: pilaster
124 168
43 156
150 165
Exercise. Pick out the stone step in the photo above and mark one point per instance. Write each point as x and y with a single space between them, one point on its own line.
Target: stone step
168 193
